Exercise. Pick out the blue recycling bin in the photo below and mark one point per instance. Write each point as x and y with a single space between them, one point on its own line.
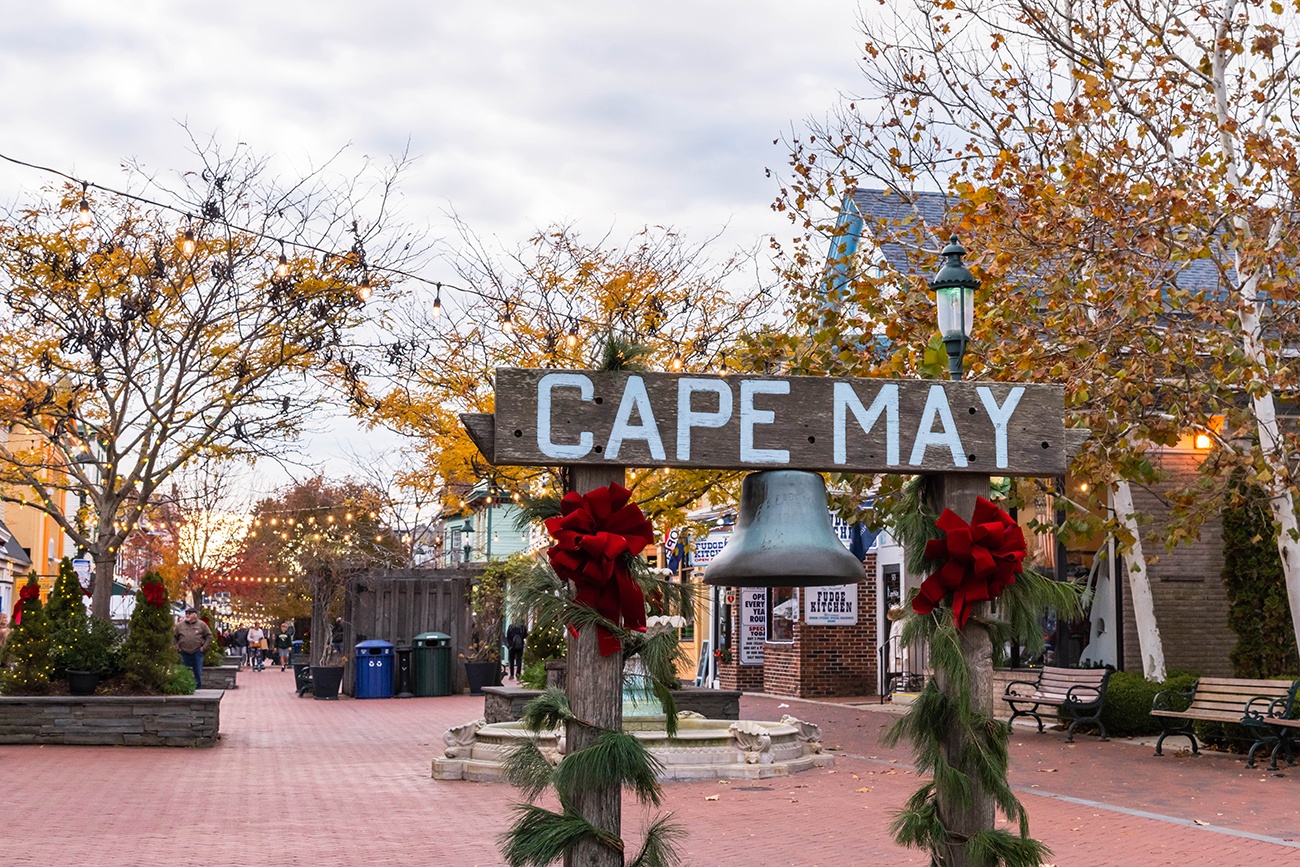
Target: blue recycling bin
374 664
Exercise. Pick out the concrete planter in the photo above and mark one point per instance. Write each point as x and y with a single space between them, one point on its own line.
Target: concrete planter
506 703
220 677
112 720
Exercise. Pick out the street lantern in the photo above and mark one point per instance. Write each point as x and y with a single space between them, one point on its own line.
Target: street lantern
954 298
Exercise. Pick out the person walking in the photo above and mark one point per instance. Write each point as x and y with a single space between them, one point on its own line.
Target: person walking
515 637
283 644
191 637
256 647
239 642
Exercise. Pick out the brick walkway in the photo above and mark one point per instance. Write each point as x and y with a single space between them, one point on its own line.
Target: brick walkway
296 781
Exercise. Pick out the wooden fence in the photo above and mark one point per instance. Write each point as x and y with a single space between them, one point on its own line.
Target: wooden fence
397 606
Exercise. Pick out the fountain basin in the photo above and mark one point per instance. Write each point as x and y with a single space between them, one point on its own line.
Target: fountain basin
702 749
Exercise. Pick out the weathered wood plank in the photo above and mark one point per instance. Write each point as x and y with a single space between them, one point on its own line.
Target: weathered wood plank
556 417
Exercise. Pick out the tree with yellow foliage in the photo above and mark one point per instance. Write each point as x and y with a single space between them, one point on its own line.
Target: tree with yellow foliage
137 336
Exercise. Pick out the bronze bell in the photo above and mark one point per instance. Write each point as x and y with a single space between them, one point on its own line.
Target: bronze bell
783 537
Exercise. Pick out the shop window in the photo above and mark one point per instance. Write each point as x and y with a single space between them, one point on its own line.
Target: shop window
783 611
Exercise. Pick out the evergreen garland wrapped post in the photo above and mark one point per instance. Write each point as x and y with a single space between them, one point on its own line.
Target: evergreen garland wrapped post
149 656
956 739
27 653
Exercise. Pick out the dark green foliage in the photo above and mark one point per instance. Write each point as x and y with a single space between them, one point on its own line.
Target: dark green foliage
614 759
534 675
93 645
148 657
620 353
180 681
1127 710
534 510
27 653
549 710
545 641
659 848
215 655
539 837
65 607
528 770
1258 611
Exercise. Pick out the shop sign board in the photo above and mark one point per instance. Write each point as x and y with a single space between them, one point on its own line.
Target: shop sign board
831 606
753 624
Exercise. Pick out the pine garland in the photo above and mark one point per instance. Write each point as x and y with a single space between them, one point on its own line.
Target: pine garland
27 653
936 718
538 836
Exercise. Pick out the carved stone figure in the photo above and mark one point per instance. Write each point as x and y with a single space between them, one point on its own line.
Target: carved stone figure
809 734
753 741
460 739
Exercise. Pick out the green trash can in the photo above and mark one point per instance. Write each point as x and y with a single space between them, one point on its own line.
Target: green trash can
431 663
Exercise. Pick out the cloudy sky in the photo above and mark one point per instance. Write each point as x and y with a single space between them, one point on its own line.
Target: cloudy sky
520 114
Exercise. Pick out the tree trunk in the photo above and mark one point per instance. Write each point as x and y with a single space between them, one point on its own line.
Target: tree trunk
102 586
595 687
1282 503
1139 581
958 493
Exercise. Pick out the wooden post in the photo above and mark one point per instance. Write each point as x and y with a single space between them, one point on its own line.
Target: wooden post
958 493
595 687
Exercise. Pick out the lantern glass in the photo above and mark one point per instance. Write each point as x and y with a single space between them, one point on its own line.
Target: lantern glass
956 311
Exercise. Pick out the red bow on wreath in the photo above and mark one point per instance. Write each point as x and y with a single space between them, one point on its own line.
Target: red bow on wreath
982 559
29 591
155 594
592 535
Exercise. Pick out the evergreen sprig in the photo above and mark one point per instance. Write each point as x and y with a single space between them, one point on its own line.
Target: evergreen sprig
527 769
540 837
659 848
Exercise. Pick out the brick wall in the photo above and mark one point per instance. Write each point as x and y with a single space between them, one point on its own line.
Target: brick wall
733 675
826 661
117 720
1190 602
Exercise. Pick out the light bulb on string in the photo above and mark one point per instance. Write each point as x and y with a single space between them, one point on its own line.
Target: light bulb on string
437 300
282 267
364 289
188 244
676 363
572 338
507 324
84 217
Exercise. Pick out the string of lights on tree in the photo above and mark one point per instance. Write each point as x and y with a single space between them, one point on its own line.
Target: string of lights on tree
560 325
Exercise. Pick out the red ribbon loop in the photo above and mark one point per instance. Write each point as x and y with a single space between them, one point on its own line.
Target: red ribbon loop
592 534
29 591
155 594
982 559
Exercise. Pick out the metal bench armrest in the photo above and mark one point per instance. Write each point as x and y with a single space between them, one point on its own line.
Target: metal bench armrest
1032 684
1093 694
1162 699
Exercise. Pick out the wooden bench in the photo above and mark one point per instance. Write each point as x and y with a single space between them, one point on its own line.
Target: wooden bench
1261 706
1076 693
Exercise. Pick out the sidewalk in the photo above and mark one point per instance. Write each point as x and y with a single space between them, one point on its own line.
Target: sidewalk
296 781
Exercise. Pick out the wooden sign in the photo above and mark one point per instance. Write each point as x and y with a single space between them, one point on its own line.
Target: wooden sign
559 417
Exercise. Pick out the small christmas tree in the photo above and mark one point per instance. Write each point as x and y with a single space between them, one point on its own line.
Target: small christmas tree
28 648
215 655
65 607
148 656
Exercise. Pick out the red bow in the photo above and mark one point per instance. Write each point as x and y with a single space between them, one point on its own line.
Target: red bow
29 591
982 559
155 594
592 534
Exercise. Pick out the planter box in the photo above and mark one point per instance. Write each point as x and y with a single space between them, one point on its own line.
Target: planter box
112 720
220 677
506 703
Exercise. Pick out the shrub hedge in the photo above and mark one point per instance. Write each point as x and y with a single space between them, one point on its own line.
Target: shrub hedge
1127 710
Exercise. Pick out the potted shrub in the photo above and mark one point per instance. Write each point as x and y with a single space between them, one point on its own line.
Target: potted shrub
482 665
90 654
487 598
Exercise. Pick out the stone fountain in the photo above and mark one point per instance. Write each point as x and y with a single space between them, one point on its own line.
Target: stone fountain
702 749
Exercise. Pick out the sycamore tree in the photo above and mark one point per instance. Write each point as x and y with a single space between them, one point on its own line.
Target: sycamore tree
138 336
654 301
318 534
1120 172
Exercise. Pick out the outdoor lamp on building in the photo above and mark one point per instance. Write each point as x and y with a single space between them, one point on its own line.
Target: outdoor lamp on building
467 529
954 298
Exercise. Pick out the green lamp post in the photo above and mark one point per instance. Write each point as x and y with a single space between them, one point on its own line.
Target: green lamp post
954 297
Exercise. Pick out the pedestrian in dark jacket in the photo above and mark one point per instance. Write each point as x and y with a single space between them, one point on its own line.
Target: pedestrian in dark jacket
515 636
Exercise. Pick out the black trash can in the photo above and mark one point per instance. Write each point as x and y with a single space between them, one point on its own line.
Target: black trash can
374 664
431 664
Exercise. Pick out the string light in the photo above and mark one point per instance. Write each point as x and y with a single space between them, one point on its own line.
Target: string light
676 363
282 267
188 244
364 289
507 324
84 217
572 339
437 301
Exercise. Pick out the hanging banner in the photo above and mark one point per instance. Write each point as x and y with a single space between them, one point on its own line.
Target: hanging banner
753 624
831 606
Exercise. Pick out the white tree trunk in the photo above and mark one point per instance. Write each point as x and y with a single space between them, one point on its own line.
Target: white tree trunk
1139 582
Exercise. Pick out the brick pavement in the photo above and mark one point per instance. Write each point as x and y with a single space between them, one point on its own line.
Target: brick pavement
296 781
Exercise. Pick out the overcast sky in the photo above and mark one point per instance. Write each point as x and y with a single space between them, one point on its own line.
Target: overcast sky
520 114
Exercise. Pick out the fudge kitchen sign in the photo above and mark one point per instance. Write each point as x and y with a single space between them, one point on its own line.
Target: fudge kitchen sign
559 417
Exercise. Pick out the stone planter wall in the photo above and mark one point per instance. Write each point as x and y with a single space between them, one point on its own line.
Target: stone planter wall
221 677
112 720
